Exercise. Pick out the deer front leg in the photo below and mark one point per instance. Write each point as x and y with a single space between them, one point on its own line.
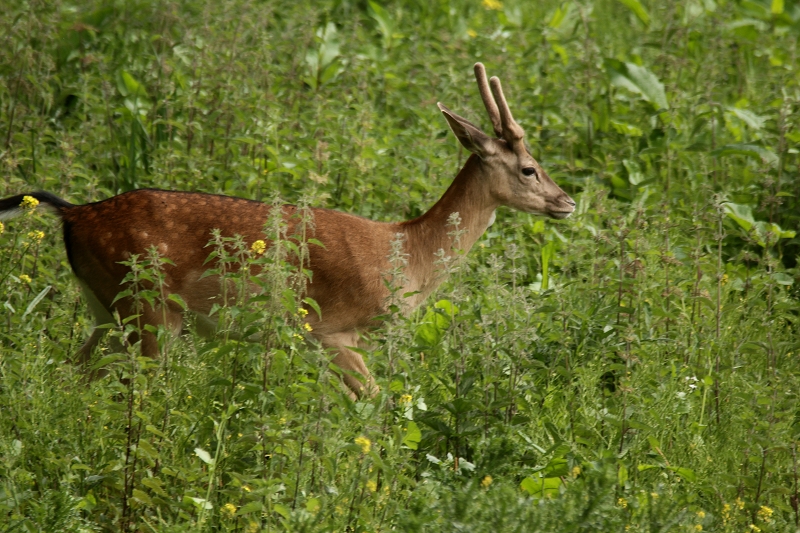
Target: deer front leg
350 363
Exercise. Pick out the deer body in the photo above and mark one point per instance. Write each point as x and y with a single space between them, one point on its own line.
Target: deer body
348 270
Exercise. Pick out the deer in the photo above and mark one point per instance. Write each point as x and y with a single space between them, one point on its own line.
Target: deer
349 265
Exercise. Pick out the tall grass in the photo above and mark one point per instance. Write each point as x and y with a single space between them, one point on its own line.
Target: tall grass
631 368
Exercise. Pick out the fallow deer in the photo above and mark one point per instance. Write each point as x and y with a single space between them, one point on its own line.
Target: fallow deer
348 270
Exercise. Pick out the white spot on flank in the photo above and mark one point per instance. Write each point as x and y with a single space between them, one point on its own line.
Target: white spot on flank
493 217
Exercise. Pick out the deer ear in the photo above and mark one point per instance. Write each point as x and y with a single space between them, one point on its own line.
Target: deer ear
468 134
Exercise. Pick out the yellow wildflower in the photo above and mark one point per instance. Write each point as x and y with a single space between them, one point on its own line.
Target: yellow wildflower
2 228
576 471
258 247
372 486
622 502
496 5
307 327
739 504
654 495
472 33
246 488
252 527
701 514
726 512
364 443
302 312
404 399
24 278
229 510
36 236
754 528
698 527
297 336
765 514
486 481
29 203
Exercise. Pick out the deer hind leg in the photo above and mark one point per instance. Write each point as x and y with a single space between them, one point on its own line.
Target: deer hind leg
172 320
351 363
102 316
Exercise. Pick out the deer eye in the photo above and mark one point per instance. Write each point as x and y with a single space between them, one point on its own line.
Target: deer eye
529 171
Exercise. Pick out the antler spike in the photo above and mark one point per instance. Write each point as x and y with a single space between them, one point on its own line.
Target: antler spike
488 99
512 132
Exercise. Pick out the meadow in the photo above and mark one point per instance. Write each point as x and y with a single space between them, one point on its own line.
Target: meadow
632 368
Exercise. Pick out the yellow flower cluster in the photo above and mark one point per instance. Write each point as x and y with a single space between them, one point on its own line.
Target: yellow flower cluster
404 399
765 514
302 313
36 236
307 327
24 278
29 203
364 443
495 5
372 486
622 502
2 228
229 510
486 481
258 247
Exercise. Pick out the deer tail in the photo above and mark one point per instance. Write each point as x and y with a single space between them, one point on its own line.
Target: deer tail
15 205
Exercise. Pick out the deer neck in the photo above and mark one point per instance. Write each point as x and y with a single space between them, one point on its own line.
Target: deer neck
425 236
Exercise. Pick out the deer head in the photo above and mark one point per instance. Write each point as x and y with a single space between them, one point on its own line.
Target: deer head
515 178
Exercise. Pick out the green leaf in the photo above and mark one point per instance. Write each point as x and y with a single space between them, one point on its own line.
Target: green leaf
750 150
313 505
777 7
155 485
175 297
249 508
559 15
638 10
686 473
742 214
637 79
36 301
622 475
142 497
541 486
282 510
204 456
748 117
384 20
626 129
128 86
201 503
413 436
107 360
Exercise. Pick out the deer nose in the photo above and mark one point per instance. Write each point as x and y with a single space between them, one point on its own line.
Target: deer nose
570 201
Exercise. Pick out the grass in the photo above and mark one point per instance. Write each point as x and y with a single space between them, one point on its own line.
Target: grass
633 368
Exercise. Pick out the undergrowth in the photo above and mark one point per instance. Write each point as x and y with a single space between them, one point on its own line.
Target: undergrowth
632 368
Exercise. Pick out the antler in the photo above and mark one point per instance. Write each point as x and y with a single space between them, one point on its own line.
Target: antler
488 99
512 132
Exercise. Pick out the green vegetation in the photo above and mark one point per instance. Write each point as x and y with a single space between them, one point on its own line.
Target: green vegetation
632 368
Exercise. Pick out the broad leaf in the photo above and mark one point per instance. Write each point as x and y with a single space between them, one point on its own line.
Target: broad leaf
639 80
750 150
